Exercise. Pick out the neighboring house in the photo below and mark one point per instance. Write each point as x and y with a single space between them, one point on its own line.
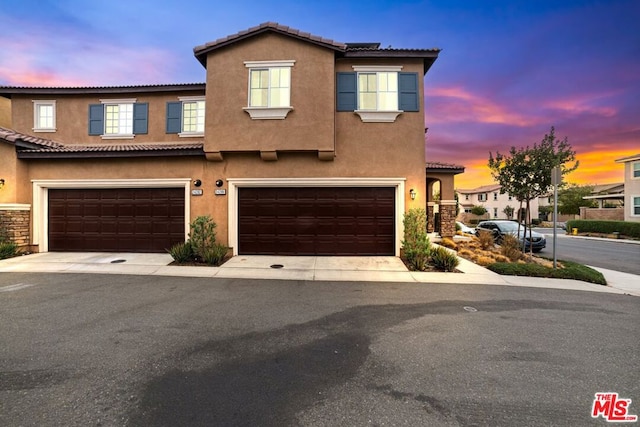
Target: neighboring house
631 187
607 195
493 201
295 144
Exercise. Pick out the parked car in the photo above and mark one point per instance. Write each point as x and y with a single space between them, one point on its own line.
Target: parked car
464 228
499 228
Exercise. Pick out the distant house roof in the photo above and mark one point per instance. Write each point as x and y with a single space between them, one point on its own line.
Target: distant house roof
30 147
629 158
483 189
7 91
437 167
608 188
355 50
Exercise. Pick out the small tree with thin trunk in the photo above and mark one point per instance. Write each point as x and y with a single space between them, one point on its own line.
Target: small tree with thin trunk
525 173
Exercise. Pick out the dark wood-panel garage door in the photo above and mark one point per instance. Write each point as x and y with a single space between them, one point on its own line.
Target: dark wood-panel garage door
316 221
116 220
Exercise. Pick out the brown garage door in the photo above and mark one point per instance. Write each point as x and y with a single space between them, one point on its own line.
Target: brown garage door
316 221
116 220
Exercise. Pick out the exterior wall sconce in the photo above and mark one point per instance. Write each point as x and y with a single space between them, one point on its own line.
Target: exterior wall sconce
1 183
197 183
412 194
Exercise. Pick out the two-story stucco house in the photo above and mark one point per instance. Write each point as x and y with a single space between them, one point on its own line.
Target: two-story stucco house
494 202
295 144
631 187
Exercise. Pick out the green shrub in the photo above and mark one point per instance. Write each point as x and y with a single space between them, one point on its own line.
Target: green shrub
416 244
478 210
571 270
181 252
203 235
8 249
626 228
443 259
510 247
214 255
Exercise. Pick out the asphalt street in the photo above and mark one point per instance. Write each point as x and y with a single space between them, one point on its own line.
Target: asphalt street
118 350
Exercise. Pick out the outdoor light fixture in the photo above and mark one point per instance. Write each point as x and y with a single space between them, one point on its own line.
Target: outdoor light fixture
1 182
197 183
219 183
412 193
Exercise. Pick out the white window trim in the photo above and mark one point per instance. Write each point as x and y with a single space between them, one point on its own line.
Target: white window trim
631 169
38 102
41 196
379 116
235 183
117 102
268 113
632 213
184 99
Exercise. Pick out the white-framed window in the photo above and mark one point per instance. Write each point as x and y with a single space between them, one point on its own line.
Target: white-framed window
269 89
378 91
44 116
192 116
495 196
510 198
635 209
635 170
495 212
467 210
466 197
118 119
482 197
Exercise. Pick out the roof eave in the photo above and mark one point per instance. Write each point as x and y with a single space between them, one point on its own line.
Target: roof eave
107 154
7 91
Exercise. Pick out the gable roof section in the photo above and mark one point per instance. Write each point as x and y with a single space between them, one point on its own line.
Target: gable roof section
30 147
346 50
201 51
438 167
629 158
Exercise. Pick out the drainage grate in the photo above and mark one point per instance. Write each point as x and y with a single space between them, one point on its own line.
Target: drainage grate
277 266
118 261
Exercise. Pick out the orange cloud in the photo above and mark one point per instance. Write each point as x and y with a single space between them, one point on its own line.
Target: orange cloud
596 167
456 104
581 105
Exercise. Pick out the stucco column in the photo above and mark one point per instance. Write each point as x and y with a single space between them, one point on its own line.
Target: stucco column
447 218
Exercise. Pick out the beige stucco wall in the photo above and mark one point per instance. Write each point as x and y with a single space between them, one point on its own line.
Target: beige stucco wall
72 117
5 112
309 126
631 190
15 175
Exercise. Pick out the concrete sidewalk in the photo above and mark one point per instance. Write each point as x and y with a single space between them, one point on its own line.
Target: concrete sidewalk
369 269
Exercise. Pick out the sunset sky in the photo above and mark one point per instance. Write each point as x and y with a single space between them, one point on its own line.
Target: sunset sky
508 70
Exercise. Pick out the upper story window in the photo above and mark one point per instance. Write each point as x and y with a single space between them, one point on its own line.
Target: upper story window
635 209
377 93
118 118
269 89
495 196
186 117
635 169
466 197
44 116
482 197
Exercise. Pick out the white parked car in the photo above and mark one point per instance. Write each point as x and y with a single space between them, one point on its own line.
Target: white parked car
465 229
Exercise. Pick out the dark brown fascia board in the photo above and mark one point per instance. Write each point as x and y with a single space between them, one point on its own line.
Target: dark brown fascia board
107 154
454 171
429 57
7 91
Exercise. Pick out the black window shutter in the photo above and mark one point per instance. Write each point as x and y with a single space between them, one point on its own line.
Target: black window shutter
346 88
140 118
408 97
96 119
174 117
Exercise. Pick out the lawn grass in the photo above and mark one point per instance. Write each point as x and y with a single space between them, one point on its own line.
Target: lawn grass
571 270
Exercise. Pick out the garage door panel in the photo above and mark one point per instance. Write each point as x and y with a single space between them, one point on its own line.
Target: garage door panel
320 221
131 219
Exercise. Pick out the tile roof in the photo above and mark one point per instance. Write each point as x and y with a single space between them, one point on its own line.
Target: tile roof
201 51
439 165
361 50
31 147
482 189
43 90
